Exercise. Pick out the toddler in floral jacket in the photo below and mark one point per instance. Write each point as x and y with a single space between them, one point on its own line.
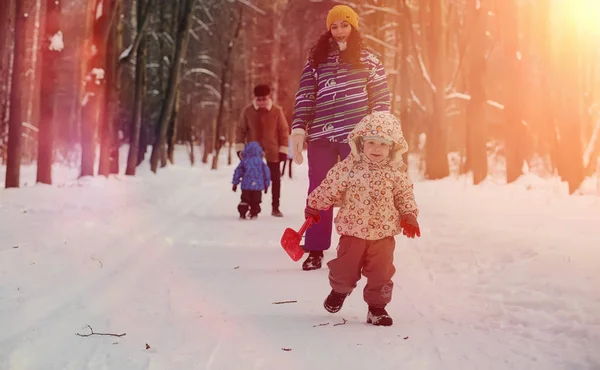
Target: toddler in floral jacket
377 203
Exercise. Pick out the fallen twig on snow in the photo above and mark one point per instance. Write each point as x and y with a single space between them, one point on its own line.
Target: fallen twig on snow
93 333
286 349
344 321
100 262
314 326
283 302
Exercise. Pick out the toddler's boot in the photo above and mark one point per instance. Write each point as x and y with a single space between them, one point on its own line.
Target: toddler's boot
378 316
334 301
243 209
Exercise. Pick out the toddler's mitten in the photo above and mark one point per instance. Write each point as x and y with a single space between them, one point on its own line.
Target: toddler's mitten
410 226
314 213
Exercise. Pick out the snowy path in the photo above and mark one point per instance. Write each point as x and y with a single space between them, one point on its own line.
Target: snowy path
503 278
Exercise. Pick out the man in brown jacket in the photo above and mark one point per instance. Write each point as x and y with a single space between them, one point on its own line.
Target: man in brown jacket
264 122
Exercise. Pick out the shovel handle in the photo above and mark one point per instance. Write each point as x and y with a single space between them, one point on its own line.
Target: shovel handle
306 225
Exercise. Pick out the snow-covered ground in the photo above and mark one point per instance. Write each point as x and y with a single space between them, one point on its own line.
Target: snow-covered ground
504 277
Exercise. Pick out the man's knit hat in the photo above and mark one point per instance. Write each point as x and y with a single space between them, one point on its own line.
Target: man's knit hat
342 13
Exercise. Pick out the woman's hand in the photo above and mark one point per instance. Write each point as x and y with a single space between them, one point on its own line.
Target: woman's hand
297 147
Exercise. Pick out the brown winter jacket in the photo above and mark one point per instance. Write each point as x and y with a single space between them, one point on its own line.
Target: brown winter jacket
267 126
373 196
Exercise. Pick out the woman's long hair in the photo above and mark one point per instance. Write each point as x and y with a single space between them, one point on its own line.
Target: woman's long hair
320 51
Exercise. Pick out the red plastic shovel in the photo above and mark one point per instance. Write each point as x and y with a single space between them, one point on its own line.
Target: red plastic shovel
290 240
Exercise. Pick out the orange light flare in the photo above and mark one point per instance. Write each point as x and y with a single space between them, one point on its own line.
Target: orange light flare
577 17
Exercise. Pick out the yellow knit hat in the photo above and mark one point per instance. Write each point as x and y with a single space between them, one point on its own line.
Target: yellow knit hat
342 13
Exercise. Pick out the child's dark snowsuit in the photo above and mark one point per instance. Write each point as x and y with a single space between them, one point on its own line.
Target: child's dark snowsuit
255 177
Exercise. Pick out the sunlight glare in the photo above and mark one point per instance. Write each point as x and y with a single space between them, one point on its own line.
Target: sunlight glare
580 16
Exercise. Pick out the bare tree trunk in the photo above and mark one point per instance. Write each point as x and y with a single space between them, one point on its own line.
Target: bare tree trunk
176 9
141 23
231 124
95 84
13 155
278 10
167 108
250 79
109 146
476 107
169 154
71 137
404 75
436 147
6 18
568 130
162 47
144 140
34 70
545 111
49 83
172 134
185 127
230 153
514 137
208 141
140 89
116 107
6 11
219 141
166 54
190 139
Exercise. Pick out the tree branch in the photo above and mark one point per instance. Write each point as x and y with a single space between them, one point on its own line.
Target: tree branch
93 333
253 7
344 321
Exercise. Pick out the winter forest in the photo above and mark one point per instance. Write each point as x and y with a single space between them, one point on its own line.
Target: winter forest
121 246
480 86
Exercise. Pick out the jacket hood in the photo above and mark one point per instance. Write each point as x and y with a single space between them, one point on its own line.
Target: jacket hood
253 149
382 124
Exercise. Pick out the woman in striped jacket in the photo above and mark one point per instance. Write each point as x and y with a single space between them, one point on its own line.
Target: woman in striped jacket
341 83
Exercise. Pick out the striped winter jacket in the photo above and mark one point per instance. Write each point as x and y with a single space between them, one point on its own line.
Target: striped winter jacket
334 97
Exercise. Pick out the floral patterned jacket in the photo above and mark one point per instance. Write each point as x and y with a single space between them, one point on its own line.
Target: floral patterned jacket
373 196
